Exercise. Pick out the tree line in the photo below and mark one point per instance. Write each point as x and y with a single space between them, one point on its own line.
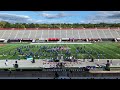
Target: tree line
4 24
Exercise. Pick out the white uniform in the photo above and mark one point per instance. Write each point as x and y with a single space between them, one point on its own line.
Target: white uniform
6 63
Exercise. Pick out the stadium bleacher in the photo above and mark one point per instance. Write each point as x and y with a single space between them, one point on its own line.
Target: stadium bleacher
105 34
77 33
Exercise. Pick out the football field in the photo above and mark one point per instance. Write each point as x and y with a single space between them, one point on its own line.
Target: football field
103 50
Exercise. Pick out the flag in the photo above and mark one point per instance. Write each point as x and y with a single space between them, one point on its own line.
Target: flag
29 58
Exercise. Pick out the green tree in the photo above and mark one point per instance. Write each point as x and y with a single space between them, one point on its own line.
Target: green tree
2 24
7 25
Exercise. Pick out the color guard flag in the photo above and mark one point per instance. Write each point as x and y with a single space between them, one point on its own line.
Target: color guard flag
30 58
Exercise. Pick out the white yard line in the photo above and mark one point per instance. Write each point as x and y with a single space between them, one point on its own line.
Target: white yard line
16 34
107 52
91 54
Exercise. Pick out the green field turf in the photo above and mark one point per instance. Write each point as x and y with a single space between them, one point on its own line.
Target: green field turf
107 50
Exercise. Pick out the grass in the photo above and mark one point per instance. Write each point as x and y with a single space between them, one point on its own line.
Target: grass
111 50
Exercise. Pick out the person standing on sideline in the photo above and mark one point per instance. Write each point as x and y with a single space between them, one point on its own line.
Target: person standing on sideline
6 62
111 62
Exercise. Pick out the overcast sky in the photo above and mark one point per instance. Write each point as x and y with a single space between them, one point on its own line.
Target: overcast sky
60 16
